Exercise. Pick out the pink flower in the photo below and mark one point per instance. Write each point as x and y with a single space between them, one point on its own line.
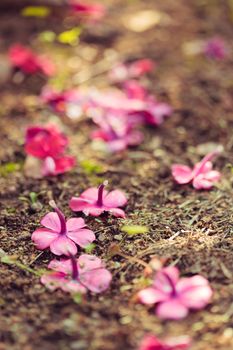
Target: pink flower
73 103
150 342
174 295
122 72
215 48
95 201
202 176
92 11
61 236
135 102
78 275
151 111
117 131
23 58
49 144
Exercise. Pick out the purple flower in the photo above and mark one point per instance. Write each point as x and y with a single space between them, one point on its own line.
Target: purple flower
78 275
174 295
215 48
61 236
96 201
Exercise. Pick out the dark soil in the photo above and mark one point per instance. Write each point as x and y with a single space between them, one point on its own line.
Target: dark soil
200 91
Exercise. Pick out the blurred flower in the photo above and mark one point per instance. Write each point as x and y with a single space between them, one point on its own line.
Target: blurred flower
26 60
90 11
78 275
174 295
202 176
122 72
48 144
215 48
61 236
73 103
150 342
116 131
96 201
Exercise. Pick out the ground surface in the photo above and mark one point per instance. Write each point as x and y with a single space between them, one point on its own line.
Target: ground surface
201 93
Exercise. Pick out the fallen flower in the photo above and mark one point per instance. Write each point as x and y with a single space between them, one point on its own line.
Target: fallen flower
62 236
150 342
48 144
78 275
174 295
152 112
117 131
122 72
202 176
96 201
73 102
215 48
91 11
26 60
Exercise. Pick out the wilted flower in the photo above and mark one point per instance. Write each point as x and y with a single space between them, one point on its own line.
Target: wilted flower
96 201
78 275
202 176
150 342
48 144
26 60
174 295
61 236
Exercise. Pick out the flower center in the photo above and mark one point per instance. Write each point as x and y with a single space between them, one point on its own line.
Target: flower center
171 283
75 273
61 217
100 194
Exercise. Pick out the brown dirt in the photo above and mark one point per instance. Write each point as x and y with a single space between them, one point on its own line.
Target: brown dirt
201 93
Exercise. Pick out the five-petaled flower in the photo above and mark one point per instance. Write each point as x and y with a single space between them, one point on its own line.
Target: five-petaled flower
28 62
48 144
174 295
150 342
202 176
78 275
96 201
61 236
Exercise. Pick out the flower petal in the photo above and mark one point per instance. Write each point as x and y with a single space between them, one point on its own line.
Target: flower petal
166 279
119 213
75 224
73 286
82 237
115 199
194 292
63 265
88 262
171 309
51 221
96 280
182 173
63 246
43 237
53 280
80 204
151 296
